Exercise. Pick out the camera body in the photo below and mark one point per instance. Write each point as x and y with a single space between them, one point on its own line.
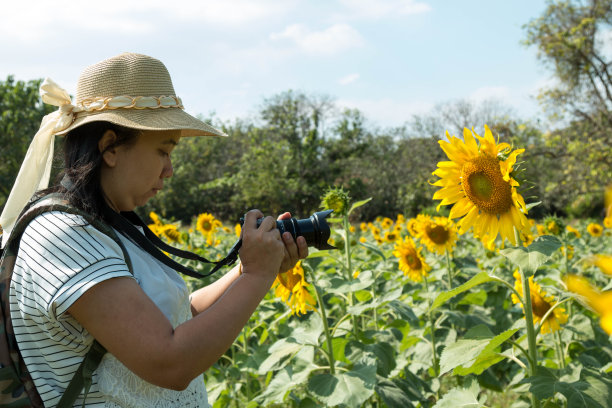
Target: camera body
314 229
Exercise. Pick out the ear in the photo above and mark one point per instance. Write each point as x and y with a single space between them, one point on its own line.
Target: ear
105 146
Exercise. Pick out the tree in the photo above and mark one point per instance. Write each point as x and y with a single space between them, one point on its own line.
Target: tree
21 111
568 37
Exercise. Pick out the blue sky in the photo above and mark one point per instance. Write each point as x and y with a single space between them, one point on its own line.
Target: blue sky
389 58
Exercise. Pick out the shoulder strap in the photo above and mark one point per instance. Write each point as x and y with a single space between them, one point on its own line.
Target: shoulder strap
125 223
82 378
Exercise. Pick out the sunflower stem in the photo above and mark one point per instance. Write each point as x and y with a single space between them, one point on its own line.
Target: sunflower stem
450 271
330 353
433 329
531 336
560 354
349 268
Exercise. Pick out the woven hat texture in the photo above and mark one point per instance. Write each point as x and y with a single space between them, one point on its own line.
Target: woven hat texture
131 74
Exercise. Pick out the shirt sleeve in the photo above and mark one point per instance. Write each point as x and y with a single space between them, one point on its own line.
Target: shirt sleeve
64 257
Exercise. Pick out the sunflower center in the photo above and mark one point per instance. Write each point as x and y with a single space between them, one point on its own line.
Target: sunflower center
413 261
539 305
206 226
437 234
484 184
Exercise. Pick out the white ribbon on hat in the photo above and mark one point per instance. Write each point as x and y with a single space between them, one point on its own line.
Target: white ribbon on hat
36 166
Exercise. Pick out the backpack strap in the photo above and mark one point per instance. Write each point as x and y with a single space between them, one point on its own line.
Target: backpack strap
82 378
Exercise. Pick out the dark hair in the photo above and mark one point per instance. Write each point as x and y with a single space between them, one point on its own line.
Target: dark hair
80 179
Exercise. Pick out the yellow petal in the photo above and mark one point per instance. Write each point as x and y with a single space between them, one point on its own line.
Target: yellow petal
468 221
506 230
460 208
604 262
469 140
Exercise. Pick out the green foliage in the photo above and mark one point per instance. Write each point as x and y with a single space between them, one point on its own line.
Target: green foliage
583 387
21 111
531 257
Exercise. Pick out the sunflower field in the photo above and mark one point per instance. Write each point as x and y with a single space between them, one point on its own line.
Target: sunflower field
478 305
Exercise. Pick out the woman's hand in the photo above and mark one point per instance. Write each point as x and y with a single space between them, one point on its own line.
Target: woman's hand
262 250
294 249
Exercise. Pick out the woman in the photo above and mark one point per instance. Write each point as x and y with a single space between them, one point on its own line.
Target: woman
71 283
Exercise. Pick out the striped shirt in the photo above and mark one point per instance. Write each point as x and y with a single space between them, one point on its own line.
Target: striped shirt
60 257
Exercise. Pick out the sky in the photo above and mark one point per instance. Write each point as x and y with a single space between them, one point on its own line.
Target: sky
390 59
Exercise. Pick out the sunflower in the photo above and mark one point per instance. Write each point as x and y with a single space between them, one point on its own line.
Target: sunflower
411 262
292 288
540 304
386 223
438 234
155 218
603 262
600 302
411 226
336 199
607 222
570 251
554 225
391 236
207 224
478 181
573 231
594 229
170 232
541 229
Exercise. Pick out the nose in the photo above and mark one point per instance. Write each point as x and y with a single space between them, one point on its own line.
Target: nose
168 170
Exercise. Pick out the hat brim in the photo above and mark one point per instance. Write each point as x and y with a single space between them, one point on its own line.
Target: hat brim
148 119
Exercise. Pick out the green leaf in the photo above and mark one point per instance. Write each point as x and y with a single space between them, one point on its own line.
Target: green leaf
358 204
343 286
339 345
279 354
392 395
476 352
582 387
382 353
362 307
350 388
283 382
374 249
531 205
404 311
461 397
478 279
308 332
533 256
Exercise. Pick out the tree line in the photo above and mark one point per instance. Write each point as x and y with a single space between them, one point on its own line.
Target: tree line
300 144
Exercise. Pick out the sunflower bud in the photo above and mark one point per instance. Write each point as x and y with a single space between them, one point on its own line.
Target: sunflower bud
335 198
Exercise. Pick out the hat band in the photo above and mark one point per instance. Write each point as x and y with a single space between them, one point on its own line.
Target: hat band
129 102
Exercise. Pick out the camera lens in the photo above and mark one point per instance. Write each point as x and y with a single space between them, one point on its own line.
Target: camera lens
314 229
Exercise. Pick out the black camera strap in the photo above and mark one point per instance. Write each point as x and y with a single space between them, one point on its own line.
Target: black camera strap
126 223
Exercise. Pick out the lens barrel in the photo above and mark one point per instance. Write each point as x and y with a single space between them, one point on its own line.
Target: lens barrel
314 229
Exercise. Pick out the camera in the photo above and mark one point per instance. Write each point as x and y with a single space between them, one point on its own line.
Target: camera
314 229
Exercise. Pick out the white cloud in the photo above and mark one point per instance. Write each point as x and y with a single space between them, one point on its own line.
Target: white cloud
387 111
30 21
348 79
490 92
384 8
336 38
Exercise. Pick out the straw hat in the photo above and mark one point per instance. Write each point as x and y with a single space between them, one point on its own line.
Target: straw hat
130 90
135 91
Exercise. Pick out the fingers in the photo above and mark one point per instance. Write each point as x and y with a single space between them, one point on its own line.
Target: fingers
284 216
250 219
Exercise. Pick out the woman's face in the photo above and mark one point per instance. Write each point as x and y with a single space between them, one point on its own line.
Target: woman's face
132 174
